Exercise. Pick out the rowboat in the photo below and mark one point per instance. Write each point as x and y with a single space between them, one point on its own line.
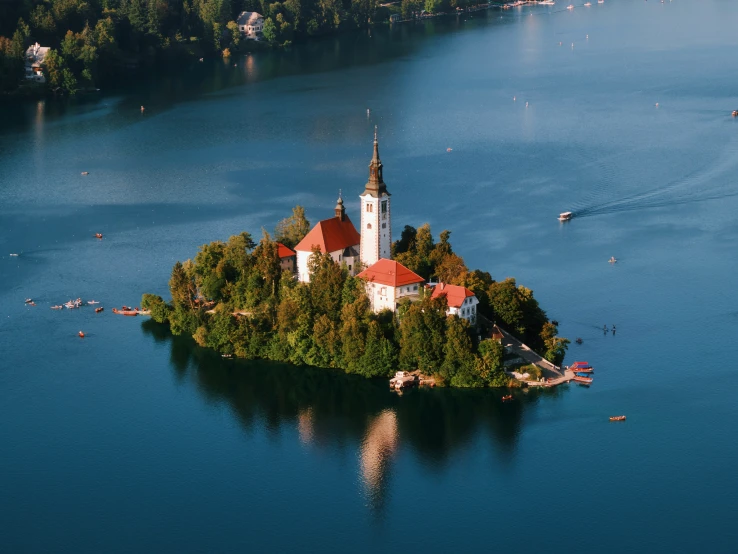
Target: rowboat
57 307
98 235
582 379
98 310
507 397
81 334
93 302
584 370
617 418
565 216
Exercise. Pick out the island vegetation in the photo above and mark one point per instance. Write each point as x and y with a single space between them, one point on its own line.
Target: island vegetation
235 298
99 42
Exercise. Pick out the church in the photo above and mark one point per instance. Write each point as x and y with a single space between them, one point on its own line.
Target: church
338 236
367 253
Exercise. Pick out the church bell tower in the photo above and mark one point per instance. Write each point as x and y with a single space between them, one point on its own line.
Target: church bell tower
376 228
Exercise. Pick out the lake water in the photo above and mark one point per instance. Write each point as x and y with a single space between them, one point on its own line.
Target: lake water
132 441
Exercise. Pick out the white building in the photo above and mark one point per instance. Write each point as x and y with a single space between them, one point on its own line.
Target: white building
34 62
250 24
376 228
337 236
461 301
388 282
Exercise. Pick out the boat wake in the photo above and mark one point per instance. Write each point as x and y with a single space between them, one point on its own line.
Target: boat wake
699 186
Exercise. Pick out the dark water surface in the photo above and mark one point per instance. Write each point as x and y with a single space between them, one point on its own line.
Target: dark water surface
131 441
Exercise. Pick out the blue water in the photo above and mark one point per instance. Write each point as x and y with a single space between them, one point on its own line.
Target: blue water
130 440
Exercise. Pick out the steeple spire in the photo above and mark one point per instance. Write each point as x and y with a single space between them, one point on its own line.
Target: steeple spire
340 210
375 186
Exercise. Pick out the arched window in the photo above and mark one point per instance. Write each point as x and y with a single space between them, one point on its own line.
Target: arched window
368 225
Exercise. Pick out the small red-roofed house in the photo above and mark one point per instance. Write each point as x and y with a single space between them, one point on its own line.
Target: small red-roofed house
336 236
388 282
287 258
461 301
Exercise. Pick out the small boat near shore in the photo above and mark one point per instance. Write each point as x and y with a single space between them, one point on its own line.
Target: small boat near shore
507 398
98 310
131 311
565 216
583 379
617 418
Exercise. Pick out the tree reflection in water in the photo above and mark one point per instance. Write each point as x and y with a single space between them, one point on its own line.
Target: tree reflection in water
331 409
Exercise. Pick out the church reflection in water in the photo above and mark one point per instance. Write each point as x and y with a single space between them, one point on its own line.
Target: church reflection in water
343 412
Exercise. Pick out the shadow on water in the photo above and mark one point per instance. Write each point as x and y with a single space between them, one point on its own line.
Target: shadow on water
333 410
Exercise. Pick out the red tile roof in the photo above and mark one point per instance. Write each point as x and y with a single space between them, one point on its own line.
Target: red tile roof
455 295
389 272
285 251
330 235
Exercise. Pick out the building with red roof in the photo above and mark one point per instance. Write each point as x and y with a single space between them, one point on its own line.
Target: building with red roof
287 258
388 282
336 236
461 301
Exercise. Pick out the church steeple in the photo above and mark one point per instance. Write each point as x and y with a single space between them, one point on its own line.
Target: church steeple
340 210
375 186
376 223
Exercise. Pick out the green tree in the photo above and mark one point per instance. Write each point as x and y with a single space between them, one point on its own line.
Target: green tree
556 347
159 309
459 365
235 33
291 230
270 30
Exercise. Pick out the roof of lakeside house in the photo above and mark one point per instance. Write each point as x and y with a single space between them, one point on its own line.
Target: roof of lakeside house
330 235
455 295
36 53
248 17
285 251
389 272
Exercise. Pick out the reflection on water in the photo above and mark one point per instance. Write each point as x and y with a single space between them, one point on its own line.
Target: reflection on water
377 450
334 411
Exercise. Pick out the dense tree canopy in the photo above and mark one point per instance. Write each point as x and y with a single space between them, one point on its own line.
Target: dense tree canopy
235 298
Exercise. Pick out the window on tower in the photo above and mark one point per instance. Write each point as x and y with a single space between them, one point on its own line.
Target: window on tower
370 207
384 225
368 225
384 207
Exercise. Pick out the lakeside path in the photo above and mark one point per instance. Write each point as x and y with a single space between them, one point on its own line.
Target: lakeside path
550 371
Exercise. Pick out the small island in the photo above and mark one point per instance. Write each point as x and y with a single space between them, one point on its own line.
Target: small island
334 297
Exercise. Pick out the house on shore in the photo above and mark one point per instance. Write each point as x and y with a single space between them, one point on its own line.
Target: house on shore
34 62
251 25
336 236
388 282
287 258
461 301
